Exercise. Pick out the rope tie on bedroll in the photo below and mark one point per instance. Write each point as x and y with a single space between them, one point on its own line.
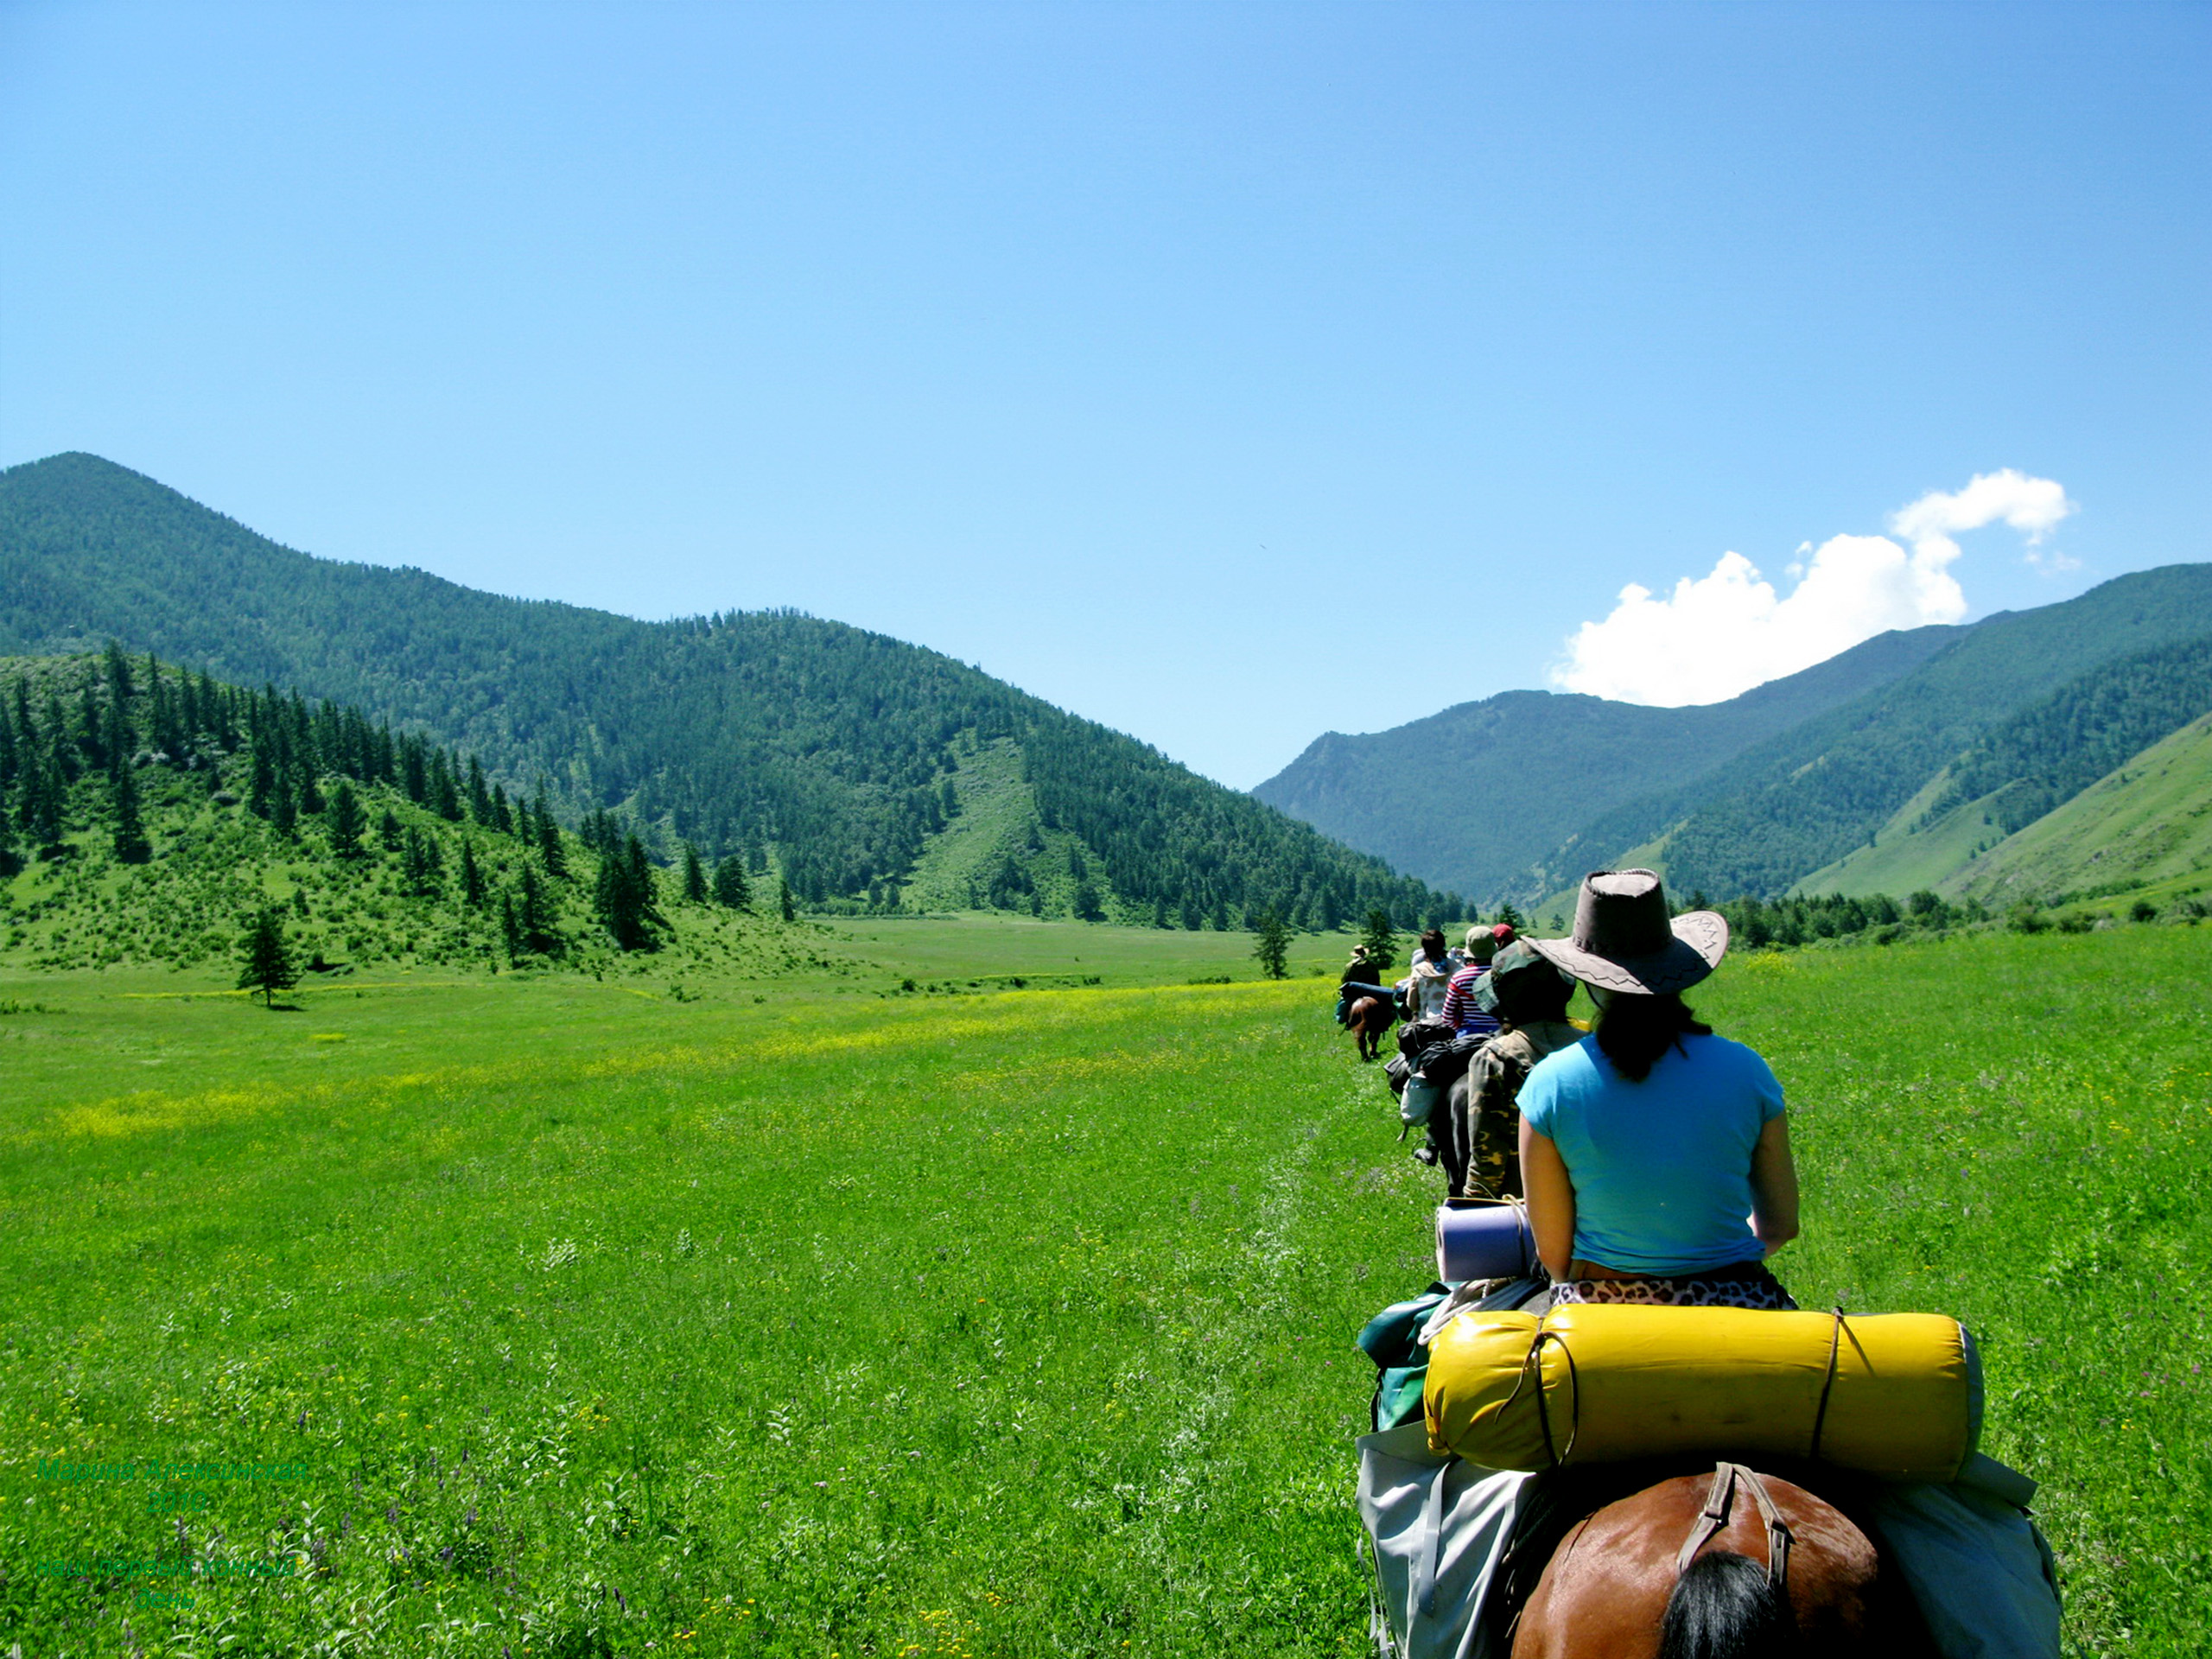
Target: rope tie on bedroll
1827 1383
1532 1363
1719 1500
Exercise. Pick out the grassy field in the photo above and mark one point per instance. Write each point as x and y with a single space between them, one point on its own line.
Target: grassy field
594 1321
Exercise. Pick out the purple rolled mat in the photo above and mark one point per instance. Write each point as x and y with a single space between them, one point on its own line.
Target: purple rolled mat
1483 1238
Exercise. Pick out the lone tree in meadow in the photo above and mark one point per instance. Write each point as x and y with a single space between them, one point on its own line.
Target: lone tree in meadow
1381 940
694 876
1271 944
266 958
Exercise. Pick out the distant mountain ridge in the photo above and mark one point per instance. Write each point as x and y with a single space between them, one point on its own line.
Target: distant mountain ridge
1491 798
842 750
1754 796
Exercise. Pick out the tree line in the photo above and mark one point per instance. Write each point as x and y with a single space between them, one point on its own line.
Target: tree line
78 737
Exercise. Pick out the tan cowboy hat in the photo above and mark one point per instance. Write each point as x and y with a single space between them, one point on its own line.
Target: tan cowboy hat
1624 940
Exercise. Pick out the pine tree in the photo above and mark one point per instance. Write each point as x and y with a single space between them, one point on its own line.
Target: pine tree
508 931
624 898
731 887
132 846
40 807
418 865
1272 945
548 841
694 876
1381 940
389 831
536 924
347 821
261 793
784 902
266 959
472 878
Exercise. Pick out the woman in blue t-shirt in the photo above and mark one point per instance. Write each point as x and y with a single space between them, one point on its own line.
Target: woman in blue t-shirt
1655 1155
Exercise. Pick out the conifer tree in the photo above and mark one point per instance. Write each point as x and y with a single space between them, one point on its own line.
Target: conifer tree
784 902
1381 940
40 809
508 931
261 793
625 896
536 924
472 877
347 821
1271 944
731 887
389 831
694 876
548 841
132 846
265 957
286 813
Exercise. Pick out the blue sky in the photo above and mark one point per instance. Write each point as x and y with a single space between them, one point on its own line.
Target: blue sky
1225 373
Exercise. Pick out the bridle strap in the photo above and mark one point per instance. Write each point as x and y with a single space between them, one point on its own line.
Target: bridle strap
1712 1520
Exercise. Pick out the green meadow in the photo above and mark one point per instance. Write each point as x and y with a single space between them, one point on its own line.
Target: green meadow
570 1317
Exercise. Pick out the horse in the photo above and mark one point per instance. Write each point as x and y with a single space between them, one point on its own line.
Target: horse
1722 1566
1369 1020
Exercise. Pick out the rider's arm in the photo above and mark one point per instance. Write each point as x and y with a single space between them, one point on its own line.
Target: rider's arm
1774 1186
1551 1200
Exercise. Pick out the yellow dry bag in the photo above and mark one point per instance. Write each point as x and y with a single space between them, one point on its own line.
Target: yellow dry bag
1894 1395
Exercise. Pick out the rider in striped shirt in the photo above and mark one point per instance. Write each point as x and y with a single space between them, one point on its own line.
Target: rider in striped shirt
1459 1007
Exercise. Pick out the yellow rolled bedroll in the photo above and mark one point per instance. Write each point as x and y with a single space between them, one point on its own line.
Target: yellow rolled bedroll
1893 1395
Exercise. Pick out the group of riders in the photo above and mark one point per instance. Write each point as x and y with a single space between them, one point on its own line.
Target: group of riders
1653 1156
1651 1159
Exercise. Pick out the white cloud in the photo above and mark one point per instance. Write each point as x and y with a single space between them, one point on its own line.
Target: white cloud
1717 635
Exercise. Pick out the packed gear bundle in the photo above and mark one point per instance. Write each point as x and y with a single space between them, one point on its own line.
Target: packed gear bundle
1898 1395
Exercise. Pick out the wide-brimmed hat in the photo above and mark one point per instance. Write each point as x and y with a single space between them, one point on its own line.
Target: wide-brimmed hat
1519 980
1624 941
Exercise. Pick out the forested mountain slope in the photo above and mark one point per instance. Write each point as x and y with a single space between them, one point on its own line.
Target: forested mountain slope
147 813
836 747
2090 731
1788 807
2147 827
1483 797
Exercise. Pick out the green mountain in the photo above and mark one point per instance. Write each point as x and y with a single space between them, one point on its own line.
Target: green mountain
1774 815
147 813
2098 787
846 756
2144 829
1491 797
1885 770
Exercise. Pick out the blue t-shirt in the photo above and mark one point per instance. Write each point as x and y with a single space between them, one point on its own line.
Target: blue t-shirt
1662 1168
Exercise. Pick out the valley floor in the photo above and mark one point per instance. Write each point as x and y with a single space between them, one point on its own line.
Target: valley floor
584 1319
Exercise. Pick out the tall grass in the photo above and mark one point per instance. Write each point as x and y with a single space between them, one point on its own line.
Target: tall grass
1005 1324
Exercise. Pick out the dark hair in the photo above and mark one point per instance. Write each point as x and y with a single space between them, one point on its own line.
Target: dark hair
1634 1031
1530 995
1724 1605
1433 942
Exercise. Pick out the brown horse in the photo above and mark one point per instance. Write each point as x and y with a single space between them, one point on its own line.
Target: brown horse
1721 1565
1369 1020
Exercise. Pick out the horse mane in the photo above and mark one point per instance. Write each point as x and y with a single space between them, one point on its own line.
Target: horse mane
1723 1607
